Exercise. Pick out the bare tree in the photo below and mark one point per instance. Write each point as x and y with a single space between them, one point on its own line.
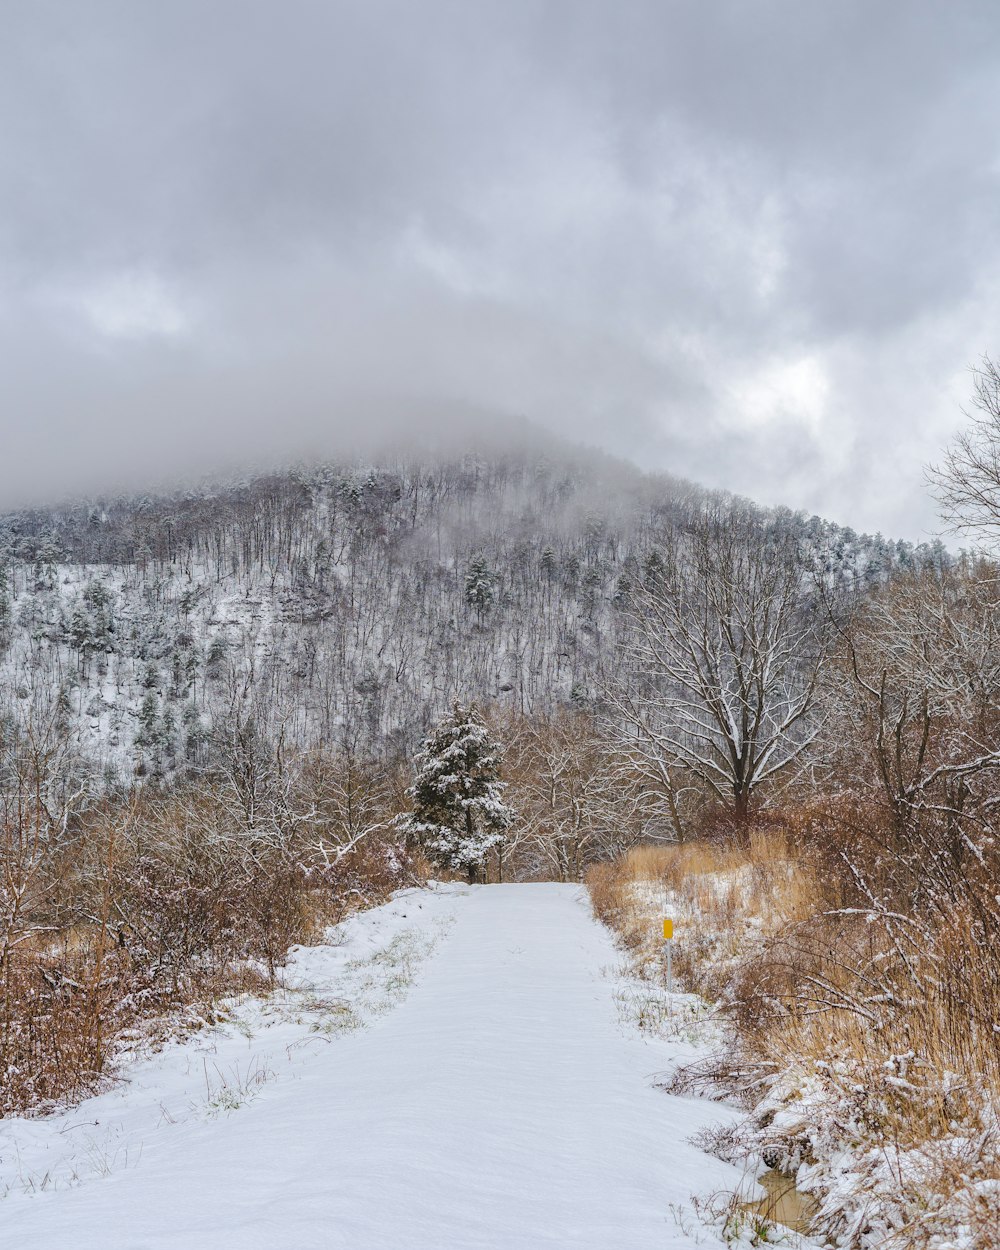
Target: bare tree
967 482
353 799
579 799
914 706
723 655
42 788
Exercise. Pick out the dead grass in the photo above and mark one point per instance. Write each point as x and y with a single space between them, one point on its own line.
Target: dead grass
875 1030
720 897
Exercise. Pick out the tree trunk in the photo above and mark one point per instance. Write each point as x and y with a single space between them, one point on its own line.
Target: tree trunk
473 869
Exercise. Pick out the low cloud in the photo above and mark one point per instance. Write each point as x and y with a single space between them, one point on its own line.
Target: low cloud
752 245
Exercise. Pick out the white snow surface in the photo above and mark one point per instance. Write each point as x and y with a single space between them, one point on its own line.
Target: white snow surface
497 1101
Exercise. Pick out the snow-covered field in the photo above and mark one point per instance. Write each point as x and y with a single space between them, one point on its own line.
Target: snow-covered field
453 1070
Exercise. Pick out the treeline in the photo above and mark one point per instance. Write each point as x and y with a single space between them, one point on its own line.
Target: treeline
356 603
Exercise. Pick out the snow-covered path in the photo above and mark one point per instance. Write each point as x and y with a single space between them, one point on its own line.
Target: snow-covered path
502 1104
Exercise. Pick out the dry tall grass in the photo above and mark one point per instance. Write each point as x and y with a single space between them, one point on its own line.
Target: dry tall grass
723 896
862 1033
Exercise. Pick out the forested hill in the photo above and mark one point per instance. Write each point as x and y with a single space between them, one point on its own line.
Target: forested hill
348 602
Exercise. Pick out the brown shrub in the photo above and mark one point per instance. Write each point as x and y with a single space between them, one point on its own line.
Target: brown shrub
145 908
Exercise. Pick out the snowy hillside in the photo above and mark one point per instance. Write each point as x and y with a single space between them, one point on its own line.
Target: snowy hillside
351 603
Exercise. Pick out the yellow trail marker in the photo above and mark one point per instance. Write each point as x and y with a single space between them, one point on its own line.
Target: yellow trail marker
668 930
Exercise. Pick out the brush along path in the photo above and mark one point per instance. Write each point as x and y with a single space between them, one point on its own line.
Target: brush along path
500 1105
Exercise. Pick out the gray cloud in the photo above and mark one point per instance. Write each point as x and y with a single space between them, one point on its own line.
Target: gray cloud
753 244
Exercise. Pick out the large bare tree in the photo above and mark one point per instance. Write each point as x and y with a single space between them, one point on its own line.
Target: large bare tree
967 481
915 709
723 654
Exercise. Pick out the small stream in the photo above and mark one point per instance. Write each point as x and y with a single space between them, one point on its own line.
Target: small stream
783 1203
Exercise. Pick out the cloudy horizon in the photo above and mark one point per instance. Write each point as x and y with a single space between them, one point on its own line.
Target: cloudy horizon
750 244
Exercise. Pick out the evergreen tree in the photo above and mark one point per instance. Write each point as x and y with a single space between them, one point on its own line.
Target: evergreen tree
458 814
479 583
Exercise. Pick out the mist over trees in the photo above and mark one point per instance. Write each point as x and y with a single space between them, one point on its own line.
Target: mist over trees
352 604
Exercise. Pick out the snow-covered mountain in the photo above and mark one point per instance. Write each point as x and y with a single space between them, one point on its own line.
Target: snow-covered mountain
350 602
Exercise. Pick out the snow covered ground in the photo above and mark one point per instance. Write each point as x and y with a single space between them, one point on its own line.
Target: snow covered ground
452 1071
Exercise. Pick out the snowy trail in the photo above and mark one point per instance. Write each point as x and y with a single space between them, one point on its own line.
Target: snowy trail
501 1105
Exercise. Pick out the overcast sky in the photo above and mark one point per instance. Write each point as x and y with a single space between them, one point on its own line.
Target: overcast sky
755 244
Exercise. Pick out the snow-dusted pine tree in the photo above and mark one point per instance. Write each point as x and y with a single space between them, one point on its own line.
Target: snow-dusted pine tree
479 585
459 815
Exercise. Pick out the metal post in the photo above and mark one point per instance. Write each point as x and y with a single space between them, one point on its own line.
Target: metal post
668 942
